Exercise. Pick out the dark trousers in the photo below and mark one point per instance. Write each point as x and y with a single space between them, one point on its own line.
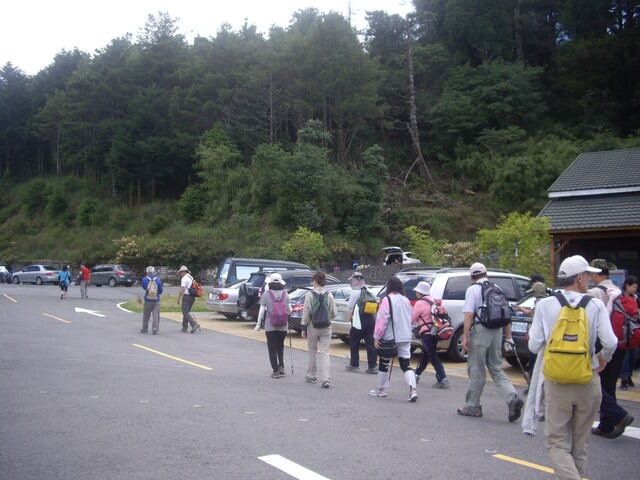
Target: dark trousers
275 345
368 323
610 412
430 352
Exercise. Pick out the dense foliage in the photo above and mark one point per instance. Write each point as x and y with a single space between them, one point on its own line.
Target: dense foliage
463 111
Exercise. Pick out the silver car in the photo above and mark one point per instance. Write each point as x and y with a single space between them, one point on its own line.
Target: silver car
341 328
224 300
37 274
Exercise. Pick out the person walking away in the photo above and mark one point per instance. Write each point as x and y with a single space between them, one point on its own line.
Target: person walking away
318 311
629 289
187 300
421 316
613 418
539 290
394 322
153 288
571 408
85 280
275 320
364 331
484 347
64 280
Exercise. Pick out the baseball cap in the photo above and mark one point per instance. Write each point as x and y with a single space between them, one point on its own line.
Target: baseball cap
477 269
276 278
574 265
538 289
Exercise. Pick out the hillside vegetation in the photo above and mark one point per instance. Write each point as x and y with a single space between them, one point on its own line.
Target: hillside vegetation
315 142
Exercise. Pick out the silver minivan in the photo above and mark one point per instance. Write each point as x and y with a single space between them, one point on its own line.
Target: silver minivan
234 269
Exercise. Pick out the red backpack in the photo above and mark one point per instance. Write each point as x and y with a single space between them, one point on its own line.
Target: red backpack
624 320
279 315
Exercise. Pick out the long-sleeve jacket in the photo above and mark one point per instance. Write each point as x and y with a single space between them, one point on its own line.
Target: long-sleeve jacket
401 319
546 315
308 304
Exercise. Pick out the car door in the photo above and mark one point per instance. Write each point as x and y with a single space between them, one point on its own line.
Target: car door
30 274
97 275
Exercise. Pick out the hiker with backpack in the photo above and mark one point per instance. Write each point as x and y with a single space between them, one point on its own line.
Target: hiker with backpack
153 288
613 418
422 316
275 308
393 329
487 315
363 301
629 289
186 298
318 311
563 333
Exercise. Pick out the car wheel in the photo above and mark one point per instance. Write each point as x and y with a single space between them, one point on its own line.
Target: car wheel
16 280
113 282
38 281
456 352
231 316
513 361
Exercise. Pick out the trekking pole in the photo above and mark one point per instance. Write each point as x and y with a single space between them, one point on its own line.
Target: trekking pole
525 374
290 346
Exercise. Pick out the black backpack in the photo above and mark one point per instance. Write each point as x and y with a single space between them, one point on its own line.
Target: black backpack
495 311
320 310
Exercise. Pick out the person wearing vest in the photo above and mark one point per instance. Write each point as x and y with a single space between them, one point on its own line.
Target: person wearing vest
151 307
571 408
362 332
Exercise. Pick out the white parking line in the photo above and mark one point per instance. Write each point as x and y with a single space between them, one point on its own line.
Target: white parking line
291 468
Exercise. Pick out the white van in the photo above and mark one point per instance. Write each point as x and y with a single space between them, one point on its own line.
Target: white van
233 269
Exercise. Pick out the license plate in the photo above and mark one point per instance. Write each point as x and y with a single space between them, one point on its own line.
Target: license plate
520 327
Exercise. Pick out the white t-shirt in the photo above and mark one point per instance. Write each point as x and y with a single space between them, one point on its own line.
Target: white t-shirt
186 282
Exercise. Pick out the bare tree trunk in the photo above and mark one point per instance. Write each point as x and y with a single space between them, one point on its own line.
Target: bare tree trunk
413 117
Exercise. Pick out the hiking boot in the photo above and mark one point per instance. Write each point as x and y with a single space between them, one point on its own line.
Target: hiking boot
378 393
600 433
275 375
281 372
467 411
623 385
373 370
184 330
619 428
143 331
443 384
196 327
311 379
515 406
351 368
326 384
413 395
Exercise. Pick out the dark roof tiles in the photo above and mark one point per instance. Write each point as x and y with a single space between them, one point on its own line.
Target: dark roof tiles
601 170
590 212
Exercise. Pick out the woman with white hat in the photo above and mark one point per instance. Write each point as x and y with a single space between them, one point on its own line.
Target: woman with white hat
422 316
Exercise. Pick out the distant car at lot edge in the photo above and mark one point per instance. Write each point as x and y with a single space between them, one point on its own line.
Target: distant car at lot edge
37 274
111 274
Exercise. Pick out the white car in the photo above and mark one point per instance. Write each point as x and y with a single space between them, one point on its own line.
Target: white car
397 255
450 286
224 300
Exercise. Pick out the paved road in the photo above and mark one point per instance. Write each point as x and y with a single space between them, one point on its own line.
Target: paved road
84 395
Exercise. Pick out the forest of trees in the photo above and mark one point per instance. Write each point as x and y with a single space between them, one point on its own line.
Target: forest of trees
320 123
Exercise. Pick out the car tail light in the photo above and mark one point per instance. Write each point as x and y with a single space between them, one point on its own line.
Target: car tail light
119 272
222 296
297 308
49 274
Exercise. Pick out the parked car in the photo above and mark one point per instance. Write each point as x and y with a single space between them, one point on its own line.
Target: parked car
250 291
112 275
450 286
396 255
232 270
224 300
37 274
341 328
341 293
520 325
